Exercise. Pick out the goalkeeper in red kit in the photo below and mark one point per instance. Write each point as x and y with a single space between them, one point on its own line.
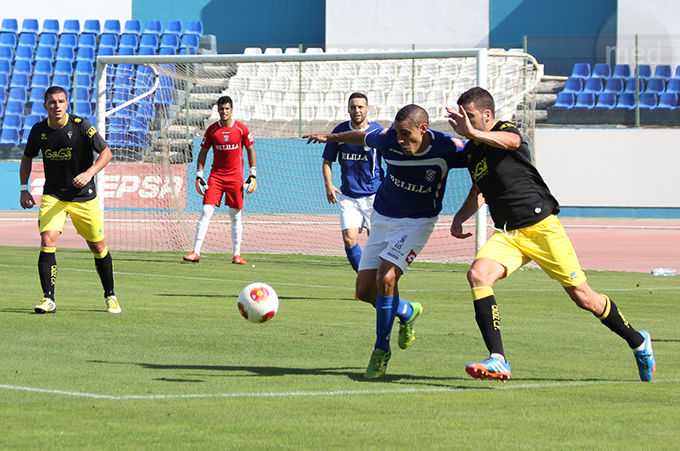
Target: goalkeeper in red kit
227 137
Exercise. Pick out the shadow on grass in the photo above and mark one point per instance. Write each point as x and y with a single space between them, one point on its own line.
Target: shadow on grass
353 373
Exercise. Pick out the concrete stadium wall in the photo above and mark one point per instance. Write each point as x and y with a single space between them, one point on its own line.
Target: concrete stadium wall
611 172
74 9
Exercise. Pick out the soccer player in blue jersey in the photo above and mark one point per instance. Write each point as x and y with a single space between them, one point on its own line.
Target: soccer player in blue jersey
406 209
525 215
361 174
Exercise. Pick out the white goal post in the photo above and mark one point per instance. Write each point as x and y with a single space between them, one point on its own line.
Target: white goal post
154 110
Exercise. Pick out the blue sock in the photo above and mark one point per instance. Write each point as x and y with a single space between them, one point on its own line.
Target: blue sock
404 310
385 307
354 256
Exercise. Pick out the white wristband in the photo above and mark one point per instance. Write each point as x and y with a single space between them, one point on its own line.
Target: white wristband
253 171
199 173
23 187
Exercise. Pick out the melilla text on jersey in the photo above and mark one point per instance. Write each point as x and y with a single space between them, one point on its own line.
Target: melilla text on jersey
410 186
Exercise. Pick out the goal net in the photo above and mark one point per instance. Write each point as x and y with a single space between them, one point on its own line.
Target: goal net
156 110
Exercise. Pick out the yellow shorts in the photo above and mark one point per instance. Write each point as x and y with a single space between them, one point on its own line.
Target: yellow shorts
546 243
86 217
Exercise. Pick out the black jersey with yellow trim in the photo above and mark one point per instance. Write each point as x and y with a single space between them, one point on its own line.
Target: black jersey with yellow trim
513 189
67 152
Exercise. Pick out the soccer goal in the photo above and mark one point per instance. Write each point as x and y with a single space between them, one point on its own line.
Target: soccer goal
155 109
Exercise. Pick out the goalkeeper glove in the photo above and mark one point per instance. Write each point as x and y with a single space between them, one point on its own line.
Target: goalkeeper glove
201 185
250 185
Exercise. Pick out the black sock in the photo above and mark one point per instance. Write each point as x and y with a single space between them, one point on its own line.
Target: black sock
489 321
47 270
105 269
613 319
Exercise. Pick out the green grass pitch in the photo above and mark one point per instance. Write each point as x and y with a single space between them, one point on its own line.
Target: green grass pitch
179 369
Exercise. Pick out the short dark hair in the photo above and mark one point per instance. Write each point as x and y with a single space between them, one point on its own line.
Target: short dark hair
358 95
481 98
225 99
414 114
54 90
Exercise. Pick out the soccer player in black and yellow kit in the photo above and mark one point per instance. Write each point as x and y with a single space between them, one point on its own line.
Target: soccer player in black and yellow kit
67 143
527 228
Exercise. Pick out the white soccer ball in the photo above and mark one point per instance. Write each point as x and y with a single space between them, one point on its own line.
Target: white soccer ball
258 302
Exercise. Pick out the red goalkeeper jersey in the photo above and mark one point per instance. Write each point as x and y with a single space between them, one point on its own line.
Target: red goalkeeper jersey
227 144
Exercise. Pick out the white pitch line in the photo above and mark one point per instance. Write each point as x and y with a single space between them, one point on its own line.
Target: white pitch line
296 394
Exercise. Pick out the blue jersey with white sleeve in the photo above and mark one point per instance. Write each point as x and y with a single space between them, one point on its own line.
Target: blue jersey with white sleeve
414 184
360 166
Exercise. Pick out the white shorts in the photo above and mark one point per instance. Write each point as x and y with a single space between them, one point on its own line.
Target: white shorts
356 213
396 240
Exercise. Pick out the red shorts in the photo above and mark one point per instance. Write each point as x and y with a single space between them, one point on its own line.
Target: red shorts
232 189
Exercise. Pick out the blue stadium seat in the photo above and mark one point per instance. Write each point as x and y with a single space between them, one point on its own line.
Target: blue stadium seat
50 26
163 96
68 40
28 40
40 81
648 101
663 71
37 95
149 40
133 26
22 67
126 51
581 70
87 40
30 26
170 41
86 54
668 101
594 85
9 137
19 95
44 53
19 80
128 40
4 82
138 124
630 85
3 99
82 108
167 51
190 40
108 40
626 101
48 40
621 71
24 53
24 136
71 26
30 120
8 40
565 100
146 110
614 85
656 85
39 109
677 72
121 95
194 27
584 101
65 53
9 26
106 51
92 26
144 78
153 26
574 85
84 67
62 80
111 26
43 67
12 120
173 27
673 85
605 101
6 53
115 137
183 51
83 81
602 70
146 51
138 140
645 71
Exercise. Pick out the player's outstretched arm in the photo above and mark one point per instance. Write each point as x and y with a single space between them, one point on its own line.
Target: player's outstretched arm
472 203
460 122
351 137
